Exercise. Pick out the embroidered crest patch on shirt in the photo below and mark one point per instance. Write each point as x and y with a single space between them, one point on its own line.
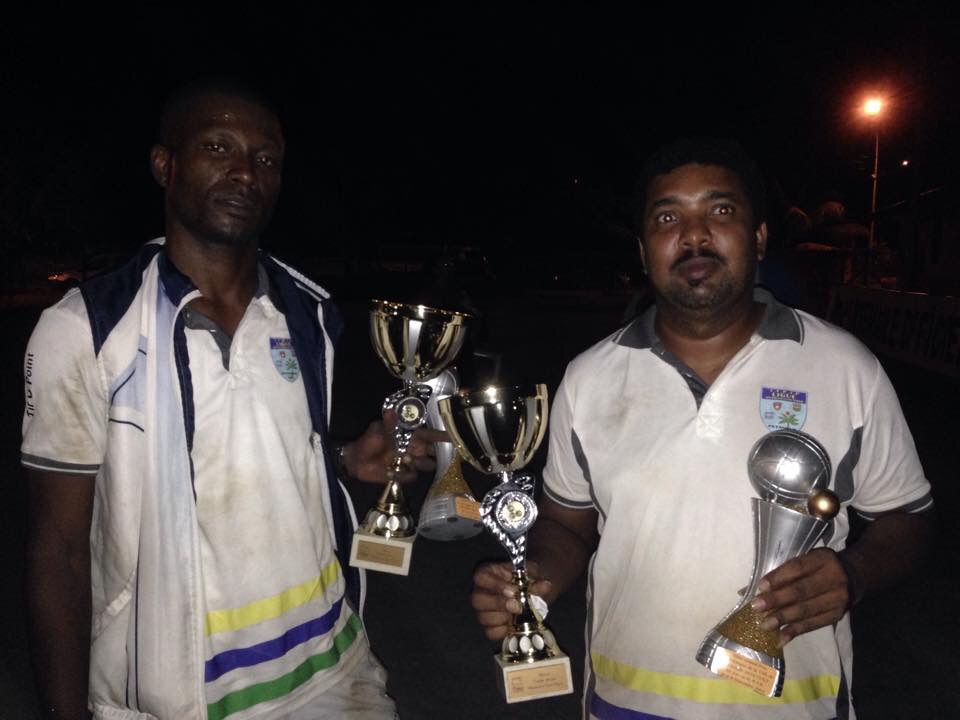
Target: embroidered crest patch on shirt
284 358
782 408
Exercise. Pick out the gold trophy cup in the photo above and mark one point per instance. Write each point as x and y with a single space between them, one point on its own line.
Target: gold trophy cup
497 430
416 343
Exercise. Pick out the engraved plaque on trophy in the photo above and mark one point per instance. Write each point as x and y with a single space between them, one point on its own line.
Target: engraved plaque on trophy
790 471
416 343
497 430
450 511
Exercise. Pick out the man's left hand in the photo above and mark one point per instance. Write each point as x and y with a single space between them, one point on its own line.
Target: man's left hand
803 594
368 457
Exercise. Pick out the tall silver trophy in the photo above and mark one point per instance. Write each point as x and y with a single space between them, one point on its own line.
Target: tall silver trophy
416 343
790 471
497 430
450 511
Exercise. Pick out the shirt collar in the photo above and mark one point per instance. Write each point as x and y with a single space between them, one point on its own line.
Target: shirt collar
779 322
176 285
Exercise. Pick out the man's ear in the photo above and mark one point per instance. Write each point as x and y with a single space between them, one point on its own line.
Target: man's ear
160 164
761 240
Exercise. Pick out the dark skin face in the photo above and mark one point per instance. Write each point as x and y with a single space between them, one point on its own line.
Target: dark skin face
222 175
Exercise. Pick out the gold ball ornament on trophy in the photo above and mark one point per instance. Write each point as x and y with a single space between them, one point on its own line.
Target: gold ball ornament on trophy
415 343
790 471
497 430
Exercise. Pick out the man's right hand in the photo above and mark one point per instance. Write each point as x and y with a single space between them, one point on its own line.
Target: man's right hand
494 595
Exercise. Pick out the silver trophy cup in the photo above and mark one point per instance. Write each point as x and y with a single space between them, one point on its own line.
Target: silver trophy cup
497 430
790 471
450 511
415 343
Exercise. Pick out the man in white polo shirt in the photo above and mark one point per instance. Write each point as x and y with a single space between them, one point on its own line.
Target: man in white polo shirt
184 489
646 479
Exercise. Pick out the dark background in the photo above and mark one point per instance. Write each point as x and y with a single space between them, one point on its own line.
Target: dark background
513 127
514 131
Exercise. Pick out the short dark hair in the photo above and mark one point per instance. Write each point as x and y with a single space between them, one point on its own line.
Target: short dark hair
722 152
182 99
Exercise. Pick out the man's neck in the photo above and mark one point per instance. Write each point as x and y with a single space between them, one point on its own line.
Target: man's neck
707 341
225 275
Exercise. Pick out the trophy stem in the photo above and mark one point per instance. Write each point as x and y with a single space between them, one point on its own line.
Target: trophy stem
527 616
391 499
390 517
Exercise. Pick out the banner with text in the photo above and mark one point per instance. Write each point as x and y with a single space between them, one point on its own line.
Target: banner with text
920 329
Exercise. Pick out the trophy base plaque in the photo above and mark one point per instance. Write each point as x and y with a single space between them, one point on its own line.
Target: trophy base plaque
519 682
375 552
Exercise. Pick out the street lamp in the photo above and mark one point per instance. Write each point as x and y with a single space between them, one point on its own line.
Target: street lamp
872 108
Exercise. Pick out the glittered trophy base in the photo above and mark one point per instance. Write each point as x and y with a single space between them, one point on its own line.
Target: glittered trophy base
740 650
450 511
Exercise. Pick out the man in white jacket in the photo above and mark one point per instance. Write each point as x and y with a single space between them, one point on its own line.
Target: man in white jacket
183 488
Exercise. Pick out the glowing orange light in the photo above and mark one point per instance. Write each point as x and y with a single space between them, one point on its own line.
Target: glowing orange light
904 163
873 106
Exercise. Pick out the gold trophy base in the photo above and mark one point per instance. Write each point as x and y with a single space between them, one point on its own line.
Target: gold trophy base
519 682
374 552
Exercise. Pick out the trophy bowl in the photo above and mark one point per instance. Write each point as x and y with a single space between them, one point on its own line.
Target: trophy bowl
416 342
498 430
790 470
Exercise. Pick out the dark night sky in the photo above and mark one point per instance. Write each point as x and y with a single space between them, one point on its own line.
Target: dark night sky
485 124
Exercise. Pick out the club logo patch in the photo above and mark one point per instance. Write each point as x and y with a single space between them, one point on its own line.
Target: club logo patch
284 358
781 408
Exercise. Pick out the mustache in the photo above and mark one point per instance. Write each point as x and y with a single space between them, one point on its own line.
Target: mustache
690 254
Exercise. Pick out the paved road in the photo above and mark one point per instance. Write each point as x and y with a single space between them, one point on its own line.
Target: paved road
422 626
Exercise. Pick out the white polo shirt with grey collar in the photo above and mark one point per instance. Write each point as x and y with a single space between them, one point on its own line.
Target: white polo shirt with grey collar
662 456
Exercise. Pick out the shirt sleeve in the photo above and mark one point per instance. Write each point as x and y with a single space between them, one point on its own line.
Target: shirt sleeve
566 477
65 408
888 476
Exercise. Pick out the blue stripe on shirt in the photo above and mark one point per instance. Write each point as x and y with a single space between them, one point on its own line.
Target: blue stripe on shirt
228 660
